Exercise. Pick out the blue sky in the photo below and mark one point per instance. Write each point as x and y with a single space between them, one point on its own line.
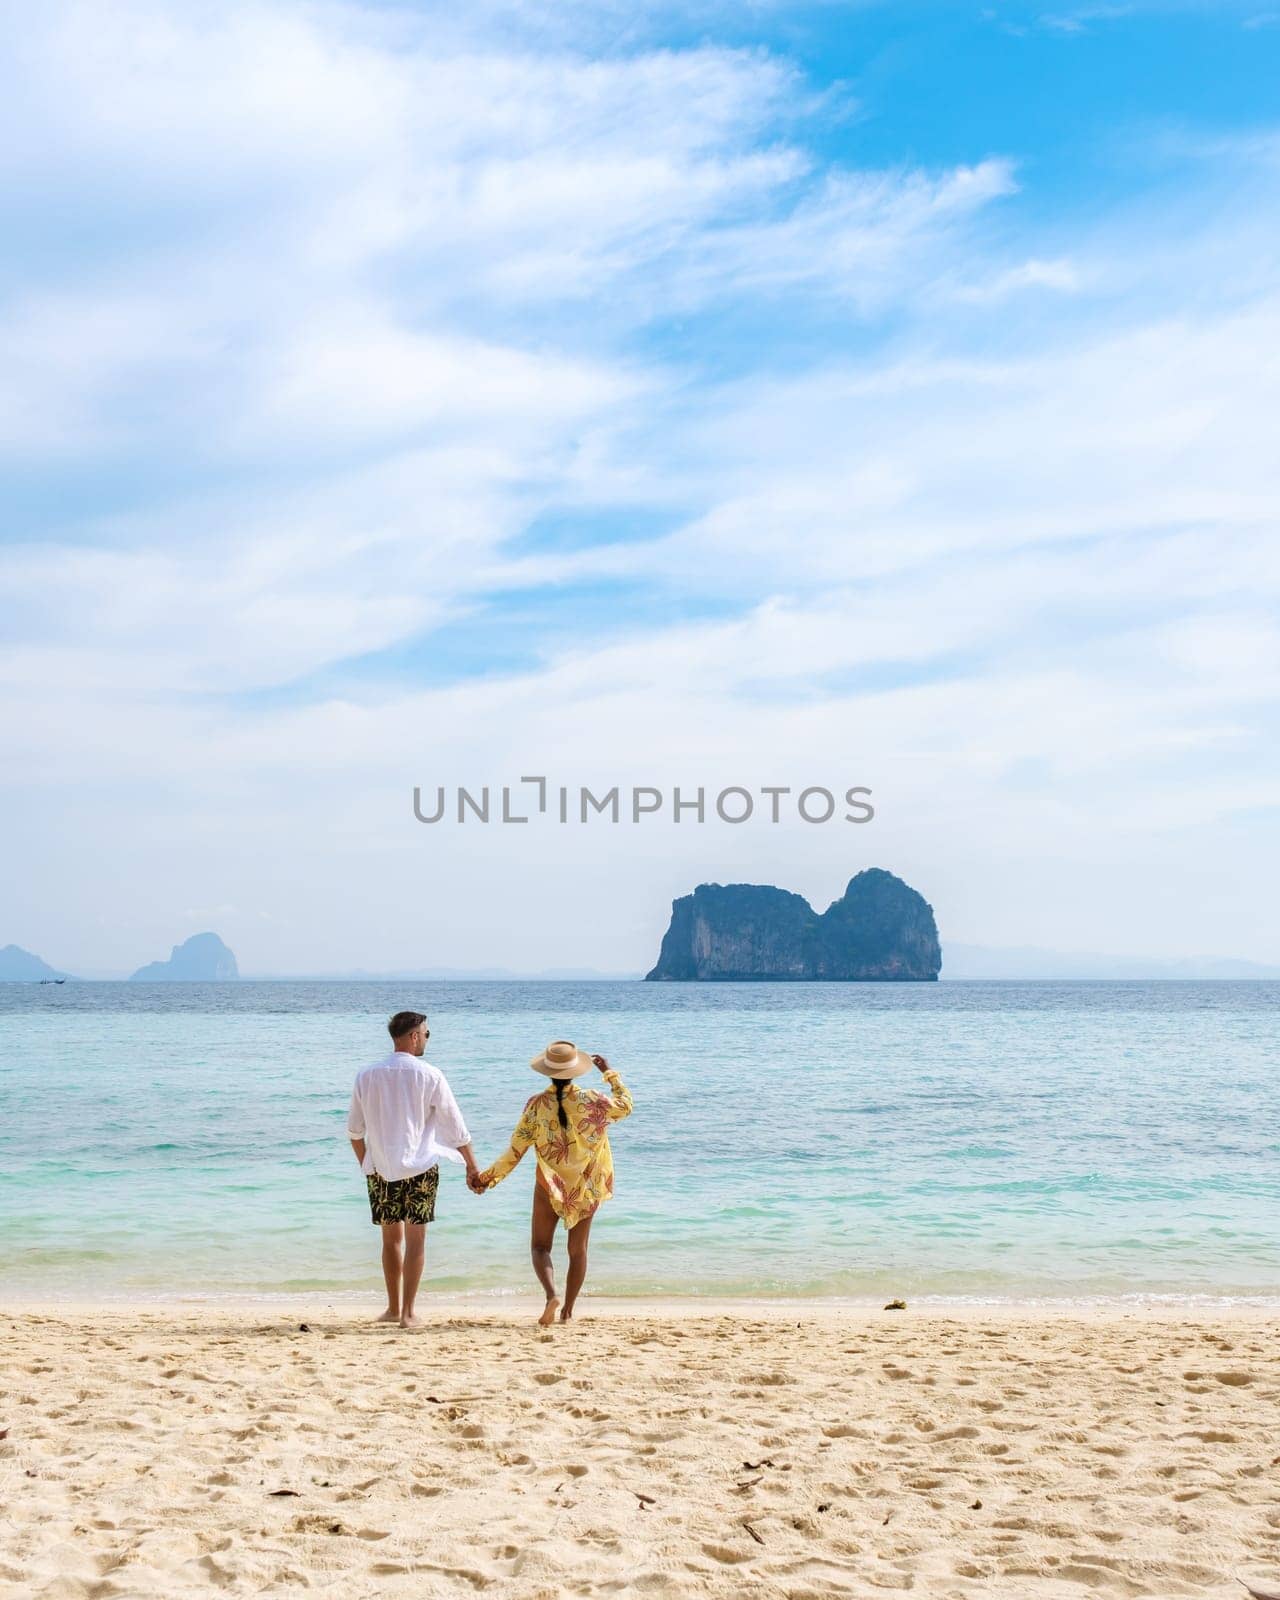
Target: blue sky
868 393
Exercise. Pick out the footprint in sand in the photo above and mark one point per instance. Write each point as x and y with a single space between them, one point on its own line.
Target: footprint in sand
221 1575
317 1524
722 1552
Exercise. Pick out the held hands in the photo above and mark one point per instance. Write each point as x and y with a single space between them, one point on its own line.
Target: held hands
601 1063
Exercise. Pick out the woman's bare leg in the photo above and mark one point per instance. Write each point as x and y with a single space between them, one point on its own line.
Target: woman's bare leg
578 1240
541 1236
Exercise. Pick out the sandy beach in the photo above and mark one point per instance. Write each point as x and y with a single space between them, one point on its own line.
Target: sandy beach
738 1451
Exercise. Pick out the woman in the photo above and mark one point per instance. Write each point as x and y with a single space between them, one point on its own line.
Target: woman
566 1126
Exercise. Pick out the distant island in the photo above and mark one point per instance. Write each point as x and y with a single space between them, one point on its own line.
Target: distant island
20 966
880 930
741 931
203 958
1023 963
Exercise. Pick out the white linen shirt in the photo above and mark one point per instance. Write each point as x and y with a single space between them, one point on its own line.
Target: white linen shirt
405 1112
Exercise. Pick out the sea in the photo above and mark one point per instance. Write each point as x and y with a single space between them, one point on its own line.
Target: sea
949 1142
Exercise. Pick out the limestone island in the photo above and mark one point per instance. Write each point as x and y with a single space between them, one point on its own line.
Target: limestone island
880 931
203 958
20 966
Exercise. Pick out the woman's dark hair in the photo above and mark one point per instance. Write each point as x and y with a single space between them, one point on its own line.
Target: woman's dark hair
561 1084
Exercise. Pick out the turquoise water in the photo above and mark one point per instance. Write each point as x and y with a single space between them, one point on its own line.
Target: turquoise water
958 1139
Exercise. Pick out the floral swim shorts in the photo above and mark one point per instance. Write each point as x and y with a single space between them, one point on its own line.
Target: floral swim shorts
404 1199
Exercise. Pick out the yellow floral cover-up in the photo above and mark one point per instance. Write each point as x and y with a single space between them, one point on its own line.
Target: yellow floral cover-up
575 1164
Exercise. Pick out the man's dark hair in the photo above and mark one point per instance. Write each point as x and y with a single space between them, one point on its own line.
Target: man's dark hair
404 1022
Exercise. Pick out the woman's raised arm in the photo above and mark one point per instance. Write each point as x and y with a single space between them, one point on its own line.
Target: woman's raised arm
620 1105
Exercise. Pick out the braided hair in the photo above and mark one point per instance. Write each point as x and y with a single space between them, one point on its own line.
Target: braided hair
561 1084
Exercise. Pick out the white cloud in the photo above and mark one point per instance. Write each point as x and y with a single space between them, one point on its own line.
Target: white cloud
986 520
1062 276
1081 18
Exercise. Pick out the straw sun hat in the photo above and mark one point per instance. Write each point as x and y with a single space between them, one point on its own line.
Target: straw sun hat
562 1060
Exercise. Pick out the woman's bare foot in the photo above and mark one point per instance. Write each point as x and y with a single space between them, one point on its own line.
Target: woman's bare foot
389 1316
549 1312
410 1321
566 1315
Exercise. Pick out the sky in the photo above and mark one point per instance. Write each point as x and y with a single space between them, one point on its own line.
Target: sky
768 394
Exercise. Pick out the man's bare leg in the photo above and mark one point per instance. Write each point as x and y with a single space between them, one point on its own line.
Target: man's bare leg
392 1268
415 1252
578 1239
542 1234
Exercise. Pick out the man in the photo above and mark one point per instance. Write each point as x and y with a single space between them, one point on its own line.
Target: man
403 1119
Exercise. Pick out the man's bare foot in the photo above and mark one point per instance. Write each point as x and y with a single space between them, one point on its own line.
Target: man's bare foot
389 1316
549 1312
410 1321
566 1315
